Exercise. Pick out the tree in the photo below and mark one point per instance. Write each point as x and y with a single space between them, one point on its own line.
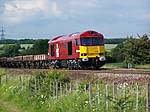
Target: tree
137 50
133 50
117 53
10 50
40 47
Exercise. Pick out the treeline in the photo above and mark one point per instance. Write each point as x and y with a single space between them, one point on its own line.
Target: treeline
21 41
32 41
10 50
133 51
115 40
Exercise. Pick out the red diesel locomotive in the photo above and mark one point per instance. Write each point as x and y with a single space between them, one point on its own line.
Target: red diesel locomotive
77 50
74 51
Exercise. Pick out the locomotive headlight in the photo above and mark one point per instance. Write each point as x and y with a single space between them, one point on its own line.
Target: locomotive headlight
102 58
101 53
83 54
85 59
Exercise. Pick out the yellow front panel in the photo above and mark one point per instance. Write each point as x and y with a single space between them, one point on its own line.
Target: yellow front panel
91 51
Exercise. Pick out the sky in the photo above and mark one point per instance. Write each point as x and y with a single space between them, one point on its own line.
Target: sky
36 19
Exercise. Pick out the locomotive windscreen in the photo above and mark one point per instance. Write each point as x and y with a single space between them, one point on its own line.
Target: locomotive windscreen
91 41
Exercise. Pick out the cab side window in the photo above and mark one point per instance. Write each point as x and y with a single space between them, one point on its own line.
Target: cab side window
52 50
76 42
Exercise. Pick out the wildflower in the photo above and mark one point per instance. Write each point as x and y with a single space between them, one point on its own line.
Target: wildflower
86 102
42 96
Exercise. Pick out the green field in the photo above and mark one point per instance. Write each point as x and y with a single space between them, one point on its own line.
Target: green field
123 65
109 47
54 91
26 45
114 65
22 45
146 66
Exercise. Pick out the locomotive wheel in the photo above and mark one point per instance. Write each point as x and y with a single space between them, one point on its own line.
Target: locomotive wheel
70 66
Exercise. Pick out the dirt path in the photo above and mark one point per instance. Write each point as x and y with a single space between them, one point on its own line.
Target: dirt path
9 107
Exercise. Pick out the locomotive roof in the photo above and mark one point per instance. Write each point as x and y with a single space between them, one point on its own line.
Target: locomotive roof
64 37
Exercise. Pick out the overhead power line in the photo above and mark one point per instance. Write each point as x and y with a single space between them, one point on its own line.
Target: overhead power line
2 33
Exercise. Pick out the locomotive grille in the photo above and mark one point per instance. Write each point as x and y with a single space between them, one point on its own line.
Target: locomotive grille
93 49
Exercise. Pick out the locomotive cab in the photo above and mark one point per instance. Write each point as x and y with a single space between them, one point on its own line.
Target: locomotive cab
92 51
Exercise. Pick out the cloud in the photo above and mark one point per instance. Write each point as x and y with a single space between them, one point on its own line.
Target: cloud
60 16
17 11
55 9
83 3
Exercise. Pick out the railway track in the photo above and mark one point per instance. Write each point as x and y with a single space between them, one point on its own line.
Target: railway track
109 75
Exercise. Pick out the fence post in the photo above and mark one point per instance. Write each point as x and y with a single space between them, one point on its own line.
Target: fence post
61 90
53 89
0 80
6 78
56 89
29 85
50 89
85 88
90 94
77 87
98 98
107 102
35 84
66 88
38 84
70 87
114 90
21 83
137 97
148 97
